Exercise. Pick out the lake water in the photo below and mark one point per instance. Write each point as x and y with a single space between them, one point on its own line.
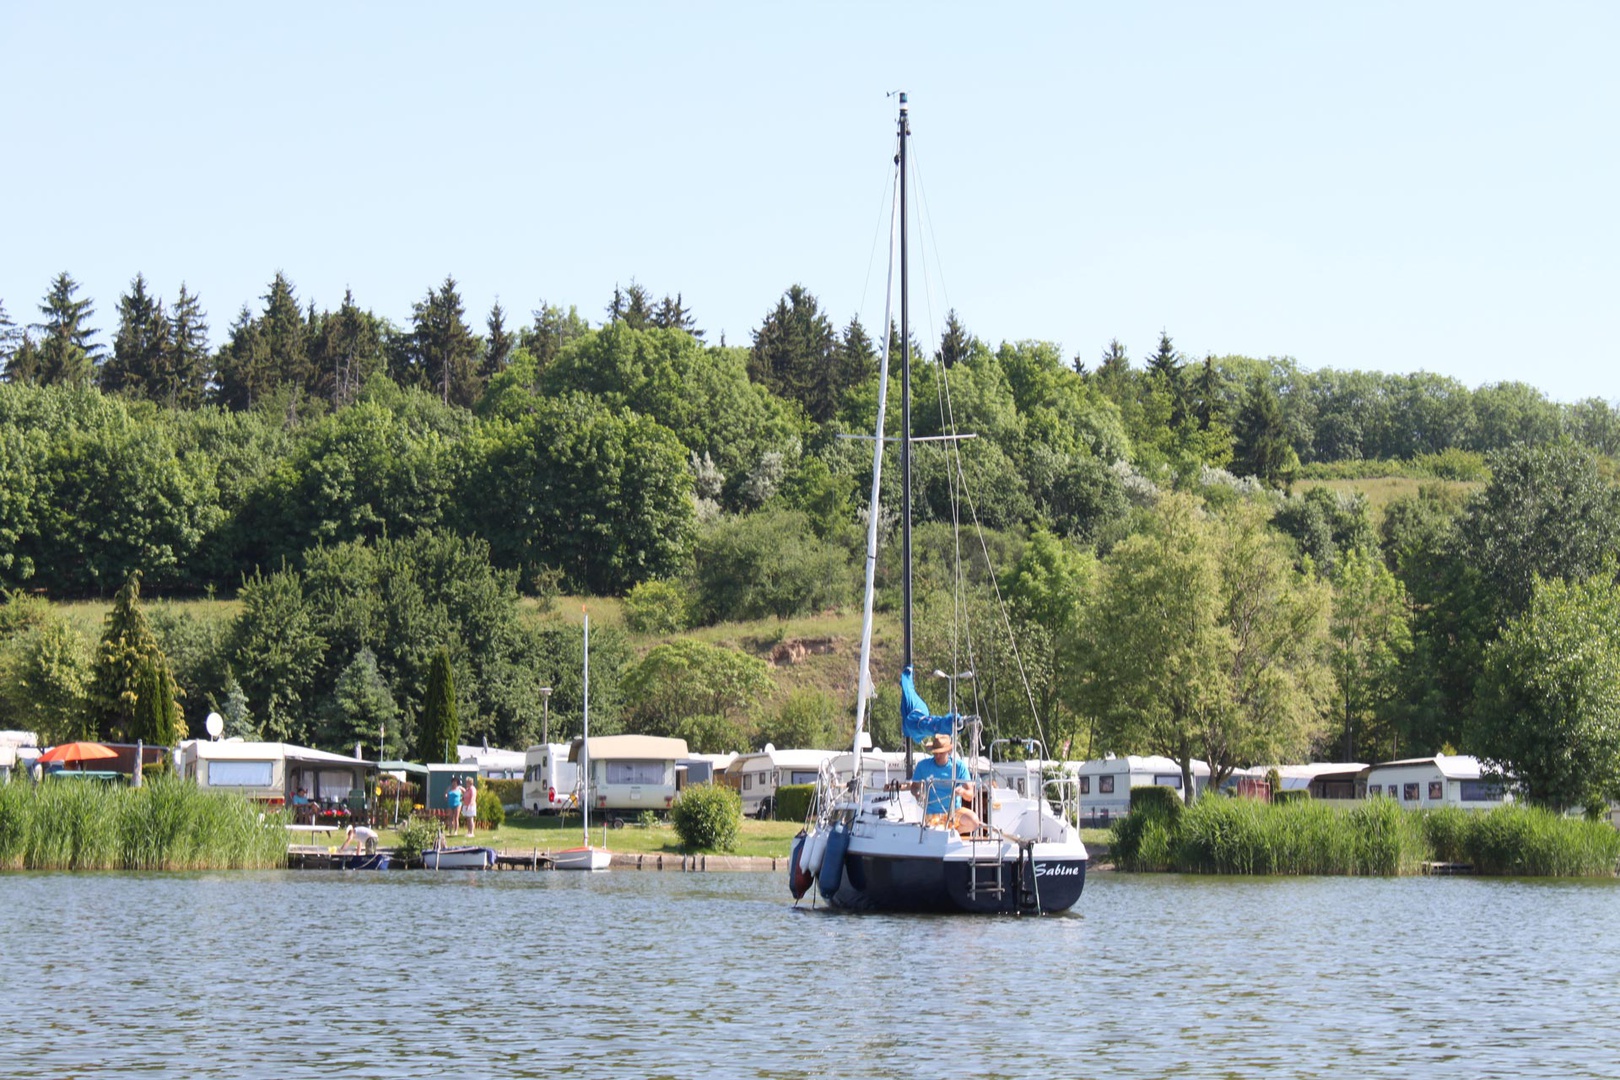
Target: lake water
638 975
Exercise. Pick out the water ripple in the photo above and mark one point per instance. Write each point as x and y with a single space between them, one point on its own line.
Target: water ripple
714 975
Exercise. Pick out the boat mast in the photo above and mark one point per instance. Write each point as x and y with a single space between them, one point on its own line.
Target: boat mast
905 410
585 744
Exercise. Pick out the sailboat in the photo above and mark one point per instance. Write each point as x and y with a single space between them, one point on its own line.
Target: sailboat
877 847
584 857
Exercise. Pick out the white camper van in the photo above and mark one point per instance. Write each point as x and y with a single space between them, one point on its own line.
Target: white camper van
550 779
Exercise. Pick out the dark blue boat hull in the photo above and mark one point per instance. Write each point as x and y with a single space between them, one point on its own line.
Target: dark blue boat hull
897 883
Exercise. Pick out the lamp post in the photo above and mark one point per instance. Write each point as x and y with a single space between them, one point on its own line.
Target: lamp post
545 716
951 681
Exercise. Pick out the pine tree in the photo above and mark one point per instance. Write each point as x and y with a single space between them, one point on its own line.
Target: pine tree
346 349
442 350
1165 368
440 729
156 714
127 647
243 365
956 343
361 706
1263 449
136 365
856 357
183 376
793 353
239 723
498 346
673 315
11 338
1208 396
638 307
286 336
65 352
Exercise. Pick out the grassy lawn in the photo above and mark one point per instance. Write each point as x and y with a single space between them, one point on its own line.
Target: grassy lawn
526 832
1380 491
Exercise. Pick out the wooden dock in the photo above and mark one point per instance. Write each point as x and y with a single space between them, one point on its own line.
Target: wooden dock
541 860
1447 869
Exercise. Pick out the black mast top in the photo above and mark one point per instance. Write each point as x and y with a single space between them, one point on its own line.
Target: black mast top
905 405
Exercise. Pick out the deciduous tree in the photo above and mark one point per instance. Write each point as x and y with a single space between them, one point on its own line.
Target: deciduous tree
1549 700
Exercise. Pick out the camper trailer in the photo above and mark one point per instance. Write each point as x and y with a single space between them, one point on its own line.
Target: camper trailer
1106 782
549 779
702 769
1323 780
1441 780
630 774
756 776
277 773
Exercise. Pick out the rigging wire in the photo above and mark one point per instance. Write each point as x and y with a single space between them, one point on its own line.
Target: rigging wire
957 482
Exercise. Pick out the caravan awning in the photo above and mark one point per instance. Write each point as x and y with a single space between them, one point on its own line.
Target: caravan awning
404 767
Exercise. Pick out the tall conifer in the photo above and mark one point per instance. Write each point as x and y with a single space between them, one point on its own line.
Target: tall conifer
136 365
440 729
65 352
127 647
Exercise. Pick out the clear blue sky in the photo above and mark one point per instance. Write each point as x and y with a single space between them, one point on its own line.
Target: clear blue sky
1395 186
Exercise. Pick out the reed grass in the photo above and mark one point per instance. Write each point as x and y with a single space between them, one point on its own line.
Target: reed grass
1375 838
167 824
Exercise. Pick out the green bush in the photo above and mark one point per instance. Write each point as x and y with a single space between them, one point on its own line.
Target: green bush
655 607
507 792
491 812
1160 802
1144 838
415 836
708 817
793 801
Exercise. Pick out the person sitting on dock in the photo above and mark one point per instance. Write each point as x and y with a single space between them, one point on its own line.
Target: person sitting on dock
945 782
363 837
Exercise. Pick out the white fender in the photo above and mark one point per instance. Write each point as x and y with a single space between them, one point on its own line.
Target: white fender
815 846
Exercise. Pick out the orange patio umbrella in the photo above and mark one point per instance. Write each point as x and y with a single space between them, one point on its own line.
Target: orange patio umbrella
77 751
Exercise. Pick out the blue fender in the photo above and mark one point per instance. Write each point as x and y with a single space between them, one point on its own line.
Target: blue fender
832 863
798 877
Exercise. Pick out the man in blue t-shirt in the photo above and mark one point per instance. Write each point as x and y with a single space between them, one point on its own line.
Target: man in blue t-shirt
944 782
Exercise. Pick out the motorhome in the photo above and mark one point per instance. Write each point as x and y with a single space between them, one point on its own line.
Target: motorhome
1441 780
1106 782
630 774
493 764
550 779
278 773
756 776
